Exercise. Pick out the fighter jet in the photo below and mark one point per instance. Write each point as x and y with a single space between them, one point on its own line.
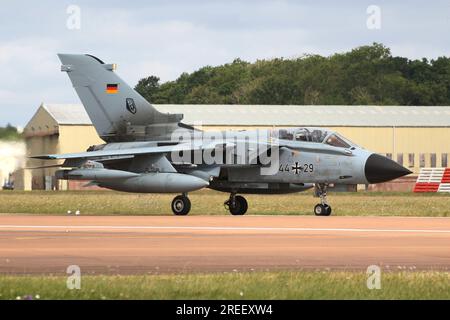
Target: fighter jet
148 151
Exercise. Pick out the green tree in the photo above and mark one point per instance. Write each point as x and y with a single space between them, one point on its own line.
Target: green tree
9 133
148 87
366 75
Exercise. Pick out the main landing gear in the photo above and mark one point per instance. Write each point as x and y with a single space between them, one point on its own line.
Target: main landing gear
322 209
181 205
237 205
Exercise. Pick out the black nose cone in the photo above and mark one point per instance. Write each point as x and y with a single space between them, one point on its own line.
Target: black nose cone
380 169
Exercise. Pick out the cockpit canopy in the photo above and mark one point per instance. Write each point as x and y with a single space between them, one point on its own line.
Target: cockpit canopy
316 135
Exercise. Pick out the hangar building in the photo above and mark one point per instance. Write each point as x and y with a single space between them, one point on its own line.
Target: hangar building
415 137
54 128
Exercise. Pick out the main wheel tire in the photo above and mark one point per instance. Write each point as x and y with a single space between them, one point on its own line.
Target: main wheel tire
327 210
181 205
322 210
240 206
319 209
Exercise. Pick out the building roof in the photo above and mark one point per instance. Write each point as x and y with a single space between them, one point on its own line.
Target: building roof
283 115
74 114
317 115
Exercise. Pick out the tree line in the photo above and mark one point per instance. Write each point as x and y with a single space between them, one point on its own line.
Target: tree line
366 75
9 133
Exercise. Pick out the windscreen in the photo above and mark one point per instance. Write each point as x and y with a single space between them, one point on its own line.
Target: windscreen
336 141
303 134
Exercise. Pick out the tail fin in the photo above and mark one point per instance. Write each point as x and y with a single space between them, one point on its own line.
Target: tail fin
117 111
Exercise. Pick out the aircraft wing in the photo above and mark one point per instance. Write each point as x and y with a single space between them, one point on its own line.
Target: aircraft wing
129 151
308 147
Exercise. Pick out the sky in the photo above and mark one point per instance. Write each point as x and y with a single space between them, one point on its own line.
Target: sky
167 38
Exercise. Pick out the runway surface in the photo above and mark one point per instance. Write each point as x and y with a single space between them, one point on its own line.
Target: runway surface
127 245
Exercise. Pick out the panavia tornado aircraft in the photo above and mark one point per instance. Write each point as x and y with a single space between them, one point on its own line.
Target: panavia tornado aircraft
151 152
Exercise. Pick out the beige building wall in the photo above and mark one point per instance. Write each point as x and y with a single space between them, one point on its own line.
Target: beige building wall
43 135
22 179
37 145
77 138
41 124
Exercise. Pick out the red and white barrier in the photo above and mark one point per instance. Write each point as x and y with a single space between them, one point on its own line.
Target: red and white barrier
433 180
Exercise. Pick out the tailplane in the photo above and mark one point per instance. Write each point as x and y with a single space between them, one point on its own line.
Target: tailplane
117 111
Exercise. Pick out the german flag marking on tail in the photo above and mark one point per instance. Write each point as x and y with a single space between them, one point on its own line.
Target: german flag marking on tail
112 88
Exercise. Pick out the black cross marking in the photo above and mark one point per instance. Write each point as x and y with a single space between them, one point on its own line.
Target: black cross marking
297 168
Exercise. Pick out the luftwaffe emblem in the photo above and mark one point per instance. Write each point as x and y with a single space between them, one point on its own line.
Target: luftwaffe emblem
131 106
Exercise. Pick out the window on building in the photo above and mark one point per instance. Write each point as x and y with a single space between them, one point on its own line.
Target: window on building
433 160
411 160
400 158
444 160
389 155
422 160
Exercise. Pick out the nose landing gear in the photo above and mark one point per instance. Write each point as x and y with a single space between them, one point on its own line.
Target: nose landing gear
237 205
322 209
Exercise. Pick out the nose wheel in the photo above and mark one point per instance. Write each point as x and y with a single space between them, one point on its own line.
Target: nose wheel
237 205
322 209
181 205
